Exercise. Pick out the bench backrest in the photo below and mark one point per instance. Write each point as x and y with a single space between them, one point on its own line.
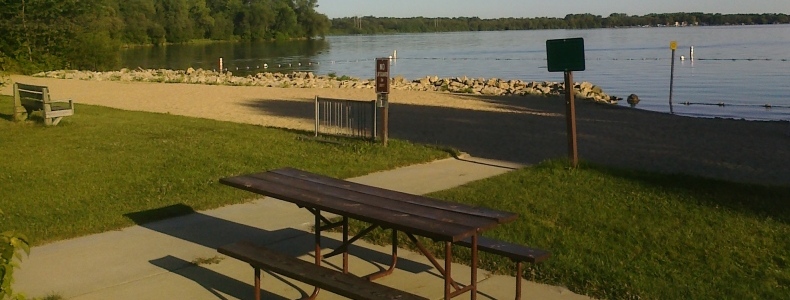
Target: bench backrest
31 95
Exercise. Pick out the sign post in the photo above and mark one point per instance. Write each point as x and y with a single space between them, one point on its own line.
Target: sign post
567 55
382 94
673 45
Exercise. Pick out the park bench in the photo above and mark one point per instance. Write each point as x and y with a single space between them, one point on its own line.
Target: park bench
343 284
29 98
515 252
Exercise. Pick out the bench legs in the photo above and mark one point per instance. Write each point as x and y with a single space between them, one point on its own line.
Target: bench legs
20 113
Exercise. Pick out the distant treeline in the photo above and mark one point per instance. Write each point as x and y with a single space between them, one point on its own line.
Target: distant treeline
374 25
88 34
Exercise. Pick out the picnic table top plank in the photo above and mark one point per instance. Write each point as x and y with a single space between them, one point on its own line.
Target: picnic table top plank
427 227
448 216
499 216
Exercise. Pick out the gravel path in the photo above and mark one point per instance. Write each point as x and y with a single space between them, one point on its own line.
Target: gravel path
519 129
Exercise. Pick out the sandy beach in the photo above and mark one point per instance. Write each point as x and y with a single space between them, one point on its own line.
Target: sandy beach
518 129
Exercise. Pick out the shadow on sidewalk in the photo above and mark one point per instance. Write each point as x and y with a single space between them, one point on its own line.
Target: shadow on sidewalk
216 283
213 232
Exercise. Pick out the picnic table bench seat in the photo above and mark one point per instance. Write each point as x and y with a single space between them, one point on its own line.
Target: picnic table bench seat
343 284
515 252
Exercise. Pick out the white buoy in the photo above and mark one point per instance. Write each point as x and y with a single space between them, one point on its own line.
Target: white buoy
265 66
682 58
691 53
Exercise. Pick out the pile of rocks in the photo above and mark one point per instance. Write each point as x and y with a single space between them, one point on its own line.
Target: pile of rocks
477 86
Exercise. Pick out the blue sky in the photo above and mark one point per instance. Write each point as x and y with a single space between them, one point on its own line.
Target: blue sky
546 8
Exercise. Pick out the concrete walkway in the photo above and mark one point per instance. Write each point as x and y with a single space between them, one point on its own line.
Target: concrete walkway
155 260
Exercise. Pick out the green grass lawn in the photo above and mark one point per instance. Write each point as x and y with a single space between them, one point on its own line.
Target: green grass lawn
614 234
619 234
82 176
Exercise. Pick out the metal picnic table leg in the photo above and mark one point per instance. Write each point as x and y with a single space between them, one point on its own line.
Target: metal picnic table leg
433 261
386 272
474 267
448 263
345 241
317 214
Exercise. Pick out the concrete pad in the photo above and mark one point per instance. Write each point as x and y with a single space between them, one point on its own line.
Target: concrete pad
82 265
154 260
438 175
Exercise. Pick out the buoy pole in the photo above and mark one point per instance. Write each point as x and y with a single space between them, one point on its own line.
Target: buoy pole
673 46
220 64
691 53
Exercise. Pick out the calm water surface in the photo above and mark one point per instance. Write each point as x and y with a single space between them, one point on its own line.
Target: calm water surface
744 67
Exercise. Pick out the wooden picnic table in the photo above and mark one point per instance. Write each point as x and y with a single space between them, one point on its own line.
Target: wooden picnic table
413 215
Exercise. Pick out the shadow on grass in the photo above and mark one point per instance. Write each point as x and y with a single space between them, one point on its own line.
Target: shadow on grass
481 133
533 129
7 117
186 224
755 200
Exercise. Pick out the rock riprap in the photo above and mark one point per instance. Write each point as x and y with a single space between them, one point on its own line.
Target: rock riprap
476 86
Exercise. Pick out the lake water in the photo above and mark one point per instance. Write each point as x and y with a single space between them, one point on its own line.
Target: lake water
744 67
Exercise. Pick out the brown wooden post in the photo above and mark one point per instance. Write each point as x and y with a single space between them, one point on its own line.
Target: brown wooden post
382 93
573 152
385 120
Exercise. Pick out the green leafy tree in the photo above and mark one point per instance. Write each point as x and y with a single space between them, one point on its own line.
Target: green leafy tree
285 26
201 17
43 34
136 17
173 16
12 245
312 23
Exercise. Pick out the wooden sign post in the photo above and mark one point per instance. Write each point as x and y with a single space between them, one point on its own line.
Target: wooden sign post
567 55
382 94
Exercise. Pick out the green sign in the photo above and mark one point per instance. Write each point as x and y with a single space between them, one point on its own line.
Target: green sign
565 54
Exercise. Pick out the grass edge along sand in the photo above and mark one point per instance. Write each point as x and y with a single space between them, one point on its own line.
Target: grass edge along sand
82 176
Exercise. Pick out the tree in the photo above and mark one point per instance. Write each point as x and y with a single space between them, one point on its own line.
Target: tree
285 25
135 14
313 24
201 17
11 243
42 34
173 16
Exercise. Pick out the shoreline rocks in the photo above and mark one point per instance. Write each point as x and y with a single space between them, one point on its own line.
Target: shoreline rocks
476 86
